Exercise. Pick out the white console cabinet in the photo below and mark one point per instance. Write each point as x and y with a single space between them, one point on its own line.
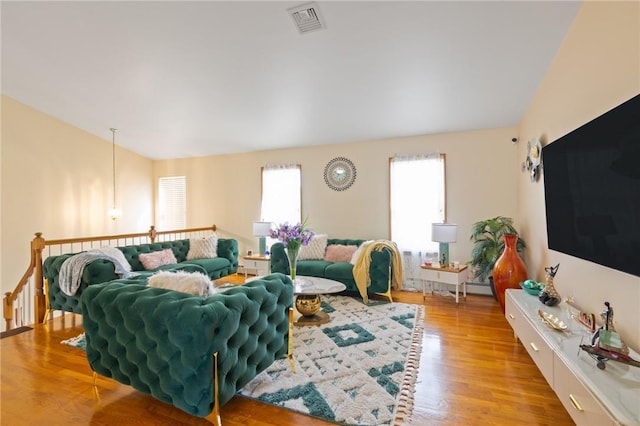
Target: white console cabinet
590 395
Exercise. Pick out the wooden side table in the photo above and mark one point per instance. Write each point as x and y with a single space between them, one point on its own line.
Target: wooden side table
261 264
449 276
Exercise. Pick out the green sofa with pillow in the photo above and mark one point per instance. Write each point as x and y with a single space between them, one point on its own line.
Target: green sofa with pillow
334 259
162 342
215 257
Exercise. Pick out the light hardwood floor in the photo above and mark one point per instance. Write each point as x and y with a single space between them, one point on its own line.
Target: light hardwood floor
472 372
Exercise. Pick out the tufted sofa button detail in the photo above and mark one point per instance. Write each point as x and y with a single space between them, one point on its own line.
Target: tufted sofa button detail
380 272
162 342
100 271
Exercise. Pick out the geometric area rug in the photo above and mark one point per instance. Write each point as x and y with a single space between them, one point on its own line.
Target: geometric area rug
358 369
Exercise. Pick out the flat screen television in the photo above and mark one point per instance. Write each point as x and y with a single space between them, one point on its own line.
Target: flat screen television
592 190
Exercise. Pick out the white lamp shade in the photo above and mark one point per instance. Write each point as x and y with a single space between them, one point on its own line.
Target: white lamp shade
261 229
443 232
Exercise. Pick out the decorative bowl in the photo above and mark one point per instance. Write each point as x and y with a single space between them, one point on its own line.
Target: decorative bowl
532 287
552 320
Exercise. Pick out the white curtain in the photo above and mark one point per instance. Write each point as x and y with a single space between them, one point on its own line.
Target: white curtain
417 200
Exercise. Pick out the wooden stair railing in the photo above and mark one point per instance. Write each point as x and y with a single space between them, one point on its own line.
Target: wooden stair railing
34 269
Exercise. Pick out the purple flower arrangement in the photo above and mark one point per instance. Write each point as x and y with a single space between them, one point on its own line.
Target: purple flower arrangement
292 236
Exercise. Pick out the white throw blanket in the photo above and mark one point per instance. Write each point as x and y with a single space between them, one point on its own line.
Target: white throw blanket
72 268
195 283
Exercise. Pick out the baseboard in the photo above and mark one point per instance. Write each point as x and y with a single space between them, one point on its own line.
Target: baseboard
479 288
14 331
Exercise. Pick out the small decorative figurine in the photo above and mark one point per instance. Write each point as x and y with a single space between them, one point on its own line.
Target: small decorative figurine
585 318
606 344
549 296
606 335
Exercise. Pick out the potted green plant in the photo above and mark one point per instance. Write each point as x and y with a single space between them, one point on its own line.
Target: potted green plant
488 239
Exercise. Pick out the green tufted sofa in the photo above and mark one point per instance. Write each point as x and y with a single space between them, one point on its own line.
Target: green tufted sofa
100 271
380 271
162 342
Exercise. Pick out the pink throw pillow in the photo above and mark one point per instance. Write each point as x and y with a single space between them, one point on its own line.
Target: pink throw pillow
339 253
157 259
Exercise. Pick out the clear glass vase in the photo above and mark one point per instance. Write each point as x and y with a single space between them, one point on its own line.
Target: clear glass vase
292 255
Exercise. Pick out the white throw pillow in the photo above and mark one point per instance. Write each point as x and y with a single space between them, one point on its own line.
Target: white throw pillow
315 249
194 283
203 248
356 254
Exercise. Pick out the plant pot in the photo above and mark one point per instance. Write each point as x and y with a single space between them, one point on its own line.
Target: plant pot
509 270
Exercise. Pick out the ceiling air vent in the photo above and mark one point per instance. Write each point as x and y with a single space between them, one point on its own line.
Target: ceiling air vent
306 17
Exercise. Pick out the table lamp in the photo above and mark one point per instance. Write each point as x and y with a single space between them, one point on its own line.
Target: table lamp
443 233
262 230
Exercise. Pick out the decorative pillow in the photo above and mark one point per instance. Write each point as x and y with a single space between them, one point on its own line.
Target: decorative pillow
203 248
156 259
194 283
357 253
315 249
339 253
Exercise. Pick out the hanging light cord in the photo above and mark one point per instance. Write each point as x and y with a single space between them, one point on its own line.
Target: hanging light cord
113 155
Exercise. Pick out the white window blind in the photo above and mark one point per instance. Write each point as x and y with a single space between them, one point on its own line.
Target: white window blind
172 203
281 194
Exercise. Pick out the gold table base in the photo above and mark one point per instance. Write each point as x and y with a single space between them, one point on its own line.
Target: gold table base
309 307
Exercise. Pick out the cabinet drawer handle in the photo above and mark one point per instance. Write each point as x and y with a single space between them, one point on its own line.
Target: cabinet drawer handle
575 403
511 316
534 347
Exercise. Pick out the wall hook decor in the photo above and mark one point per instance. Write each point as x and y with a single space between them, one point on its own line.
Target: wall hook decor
533 162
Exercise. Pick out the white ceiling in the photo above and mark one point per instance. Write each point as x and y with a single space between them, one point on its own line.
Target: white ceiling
183 79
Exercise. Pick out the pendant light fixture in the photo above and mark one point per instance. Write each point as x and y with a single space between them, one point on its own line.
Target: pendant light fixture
114 212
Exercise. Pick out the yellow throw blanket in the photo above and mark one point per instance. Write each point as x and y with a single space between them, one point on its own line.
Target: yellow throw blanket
361 267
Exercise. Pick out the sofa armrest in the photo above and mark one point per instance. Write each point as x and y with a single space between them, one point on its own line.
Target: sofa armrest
279 260
380 269
98 271
161 342
228 248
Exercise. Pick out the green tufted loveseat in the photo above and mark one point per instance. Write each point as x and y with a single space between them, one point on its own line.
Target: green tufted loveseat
162 342
100 271
380 270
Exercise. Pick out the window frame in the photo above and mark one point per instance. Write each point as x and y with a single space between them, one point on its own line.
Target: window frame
442 157
262 188
173 224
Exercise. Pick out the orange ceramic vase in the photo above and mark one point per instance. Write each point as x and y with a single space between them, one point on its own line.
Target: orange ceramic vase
509 270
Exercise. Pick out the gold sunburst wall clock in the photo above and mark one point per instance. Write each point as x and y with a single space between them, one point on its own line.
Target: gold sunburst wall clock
339 173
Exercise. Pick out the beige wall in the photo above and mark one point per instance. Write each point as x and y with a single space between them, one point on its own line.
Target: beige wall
482 173
68 172
57 179
597 68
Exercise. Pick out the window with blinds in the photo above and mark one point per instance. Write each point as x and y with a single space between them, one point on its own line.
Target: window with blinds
172 203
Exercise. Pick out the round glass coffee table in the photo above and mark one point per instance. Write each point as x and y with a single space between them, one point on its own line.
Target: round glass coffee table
308 291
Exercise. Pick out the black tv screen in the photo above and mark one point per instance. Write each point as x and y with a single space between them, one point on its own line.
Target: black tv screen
592 190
